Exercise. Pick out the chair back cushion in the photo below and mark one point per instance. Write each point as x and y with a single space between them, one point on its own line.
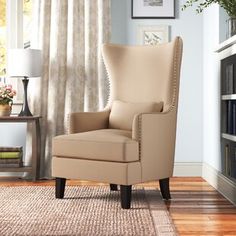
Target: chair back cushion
122 113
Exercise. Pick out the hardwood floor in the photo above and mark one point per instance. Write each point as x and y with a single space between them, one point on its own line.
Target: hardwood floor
196 207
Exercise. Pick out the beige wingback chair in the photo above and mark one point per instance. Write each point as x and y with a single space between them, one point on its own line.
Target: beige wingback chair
133 139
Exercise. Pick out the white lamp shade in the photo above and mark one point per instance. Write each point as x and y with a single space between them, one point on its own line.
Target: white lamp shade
24 63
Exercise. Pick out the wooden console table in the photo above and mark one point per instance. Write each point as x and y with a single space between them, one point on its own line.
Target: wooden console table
36 144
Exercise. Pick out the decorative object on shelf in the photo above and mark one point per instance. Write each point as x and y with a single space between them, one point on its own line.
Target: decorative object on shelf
153 35
153 9
6 99
5 110
228 5
24 63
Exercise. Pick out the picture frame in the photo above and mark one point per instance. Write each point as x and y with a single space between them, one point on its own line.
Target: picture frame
152 35
153 9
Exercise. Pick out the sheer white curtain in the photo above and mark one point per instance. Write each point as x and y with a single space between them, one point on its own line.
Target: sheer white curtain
70 34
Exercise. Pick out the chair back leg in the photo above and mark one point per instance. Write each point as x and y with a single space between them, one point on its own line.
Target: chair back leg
165 188
113 187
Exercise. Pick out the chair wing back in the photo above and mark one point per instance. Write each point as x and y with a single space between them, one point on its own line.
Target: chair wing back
144 73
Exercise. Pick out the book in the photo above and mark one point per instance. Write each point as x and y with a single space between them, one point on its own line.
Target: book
229 126
226 167
10 160
10 165
234 117
229 70
10 154
11 149
233 164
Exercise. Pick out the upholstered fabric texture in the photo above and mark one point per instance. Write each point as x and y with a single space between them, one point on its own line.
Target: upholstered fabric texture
143 73
105 144
126 173
70 34
144 82
86 121
122 113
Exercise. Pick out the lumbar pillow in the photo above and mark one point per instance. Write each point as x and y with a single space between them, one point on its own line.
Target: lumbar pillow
122 113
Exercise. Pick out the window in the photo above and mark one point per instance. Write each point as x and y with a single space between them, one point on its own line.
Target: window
27 22
2 40
15 32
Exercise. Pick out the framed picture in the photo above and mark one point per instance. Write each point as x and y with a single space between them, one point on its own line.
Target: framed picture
153 9
153 35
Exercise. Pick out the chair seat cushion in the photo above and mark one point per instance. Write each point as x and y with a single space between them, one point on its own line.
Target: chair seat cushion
105 144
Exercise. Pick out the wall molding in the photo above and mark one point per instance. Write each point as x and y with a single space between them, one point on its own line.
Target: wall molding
222 184
187 169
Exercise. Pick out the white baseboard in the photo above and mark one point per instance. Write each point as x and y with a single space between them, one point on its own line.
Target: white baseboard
187 169
222 184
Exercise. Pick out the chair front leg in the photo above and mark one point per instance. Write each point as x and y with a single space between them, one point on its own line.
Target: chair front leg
165 188
125 193
113 187
60 187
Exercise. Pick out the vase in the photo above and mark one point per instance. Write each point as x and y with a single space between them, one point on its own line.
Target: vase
5 110
231 27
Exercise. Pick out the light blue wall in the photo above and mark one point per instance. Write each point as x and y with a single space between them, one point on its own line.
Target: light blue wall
12 134
119 21
223 17
189 26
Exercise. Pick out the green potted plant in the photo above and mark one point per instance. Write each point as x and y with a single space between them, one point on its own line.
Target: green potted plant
228 5
6 99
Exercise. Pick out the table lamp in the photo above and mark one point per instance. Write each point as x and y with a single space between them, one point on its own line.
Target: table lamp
24 63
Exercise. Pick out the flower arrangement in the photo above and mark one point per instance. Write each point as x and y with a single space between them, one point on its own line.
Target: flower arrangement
228 5
6 94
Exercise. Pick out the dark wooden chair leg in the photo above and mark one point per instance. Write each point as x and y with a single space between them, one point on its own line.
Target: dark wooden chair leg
125 193
113 187
165 188
60 187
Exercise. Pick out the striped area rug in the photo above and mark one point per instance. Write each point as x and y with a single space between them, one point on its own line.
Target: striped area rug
85 210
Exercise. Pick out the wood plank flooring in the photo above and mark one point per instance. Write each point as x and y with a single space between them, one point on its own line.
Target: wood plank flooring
196 207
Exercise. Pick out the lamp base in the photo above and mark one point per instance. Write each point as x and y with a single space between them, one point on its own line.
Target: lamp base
25 111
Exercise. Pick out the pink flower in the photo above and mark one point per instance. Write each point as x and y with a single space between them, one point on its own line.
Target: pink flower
9 87
6 94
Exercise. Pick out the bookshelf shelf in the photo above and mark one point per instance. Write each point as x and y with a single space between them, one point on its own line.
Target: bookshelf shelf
229 137
229 97
36 144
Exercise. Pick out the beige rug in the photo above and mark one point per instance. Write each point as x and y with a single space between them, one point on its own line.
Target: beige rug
91 211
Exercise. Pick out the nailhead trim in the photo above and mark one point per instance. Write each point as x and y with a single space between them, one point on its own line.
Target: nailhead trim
176 70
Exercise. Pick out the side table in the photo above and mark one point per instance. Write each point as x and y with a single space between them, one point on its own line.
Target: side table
36 144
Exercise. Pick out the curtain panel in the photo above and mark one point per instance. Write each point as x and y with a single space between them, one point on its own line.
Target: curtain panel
70 34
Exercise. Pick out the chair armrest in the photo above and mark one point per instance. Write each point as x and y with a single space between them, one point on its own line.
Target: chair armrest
156 133
87 121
